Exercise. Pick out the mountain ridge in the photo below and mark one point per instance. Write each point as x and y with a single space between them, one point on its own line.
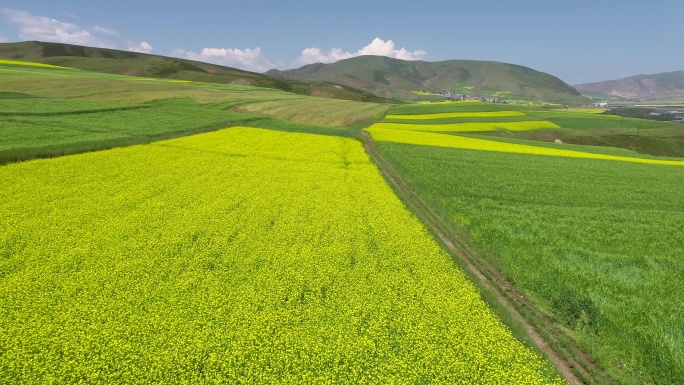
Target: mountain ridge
664 85
395 78
363 78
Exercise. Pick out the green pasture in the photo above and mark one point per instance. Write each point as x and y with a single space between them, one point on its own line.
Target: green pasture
595 243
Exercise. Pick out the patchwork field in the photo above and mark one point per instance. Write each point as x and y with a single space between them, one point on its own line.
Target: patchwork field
572 126
591 236
239 254
53 111
190 232
445 115
382 134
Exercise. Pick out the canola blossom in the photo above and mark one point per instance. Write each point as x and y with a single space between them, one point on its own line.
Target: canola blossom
161 80
440 140
469 127
446 115
238 256
31 64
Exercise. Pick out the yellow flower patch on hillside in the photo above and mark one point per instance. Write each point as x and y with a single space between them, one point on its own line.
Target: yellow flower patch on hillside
453 141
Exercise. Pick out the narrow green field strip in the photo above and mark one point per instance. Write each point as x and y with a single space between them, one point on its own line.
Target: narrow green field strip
25 106
444 115
72 112
447 107
242 255
474 119
468 127
583 120
586 110
453 141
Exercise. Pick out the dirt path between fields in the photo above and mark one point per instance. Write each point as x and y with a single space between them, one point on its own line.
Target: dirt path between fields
570 361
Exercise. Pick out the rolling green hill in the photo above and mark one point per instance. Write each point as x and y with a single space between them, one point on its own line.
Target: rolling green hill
666 85
398 79
145 65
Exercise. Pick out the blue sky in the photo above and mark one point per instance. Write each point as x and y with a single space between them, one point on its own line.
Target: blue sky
578 41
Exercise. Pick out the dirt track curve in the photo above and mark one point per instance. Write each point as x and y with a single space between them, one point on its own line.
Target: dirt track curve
570 361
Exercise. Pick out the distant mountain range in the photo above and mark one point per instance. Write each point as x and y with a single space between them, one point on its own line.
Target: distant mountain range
398 79
365 78
667 85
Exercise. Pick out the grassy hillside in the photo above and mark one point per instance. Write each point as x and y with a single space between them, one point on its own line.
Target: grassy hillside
667 85
48 112
399 79
154 66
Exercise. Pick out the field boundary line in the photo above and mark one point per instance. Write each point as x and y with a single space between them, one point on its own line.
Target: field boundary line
76 112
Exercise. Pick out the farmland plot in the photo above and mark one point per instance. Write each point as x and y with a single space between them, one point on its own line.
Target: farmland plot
242 255
591 236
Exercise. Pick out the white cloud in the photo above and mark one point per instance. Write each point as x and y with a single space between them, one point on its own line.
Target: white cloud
106 31
251 59
314 55
33 27
376 47
143 47
3 39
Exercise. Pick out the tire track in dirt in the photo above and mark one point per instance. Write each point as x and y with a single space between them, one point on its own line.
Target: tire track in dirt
570 361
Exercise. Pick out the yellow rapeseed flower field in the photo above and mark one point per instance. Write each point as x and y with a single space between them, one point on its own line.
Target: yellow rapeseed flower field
30 64
440 140
468 127
445 115
238 256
